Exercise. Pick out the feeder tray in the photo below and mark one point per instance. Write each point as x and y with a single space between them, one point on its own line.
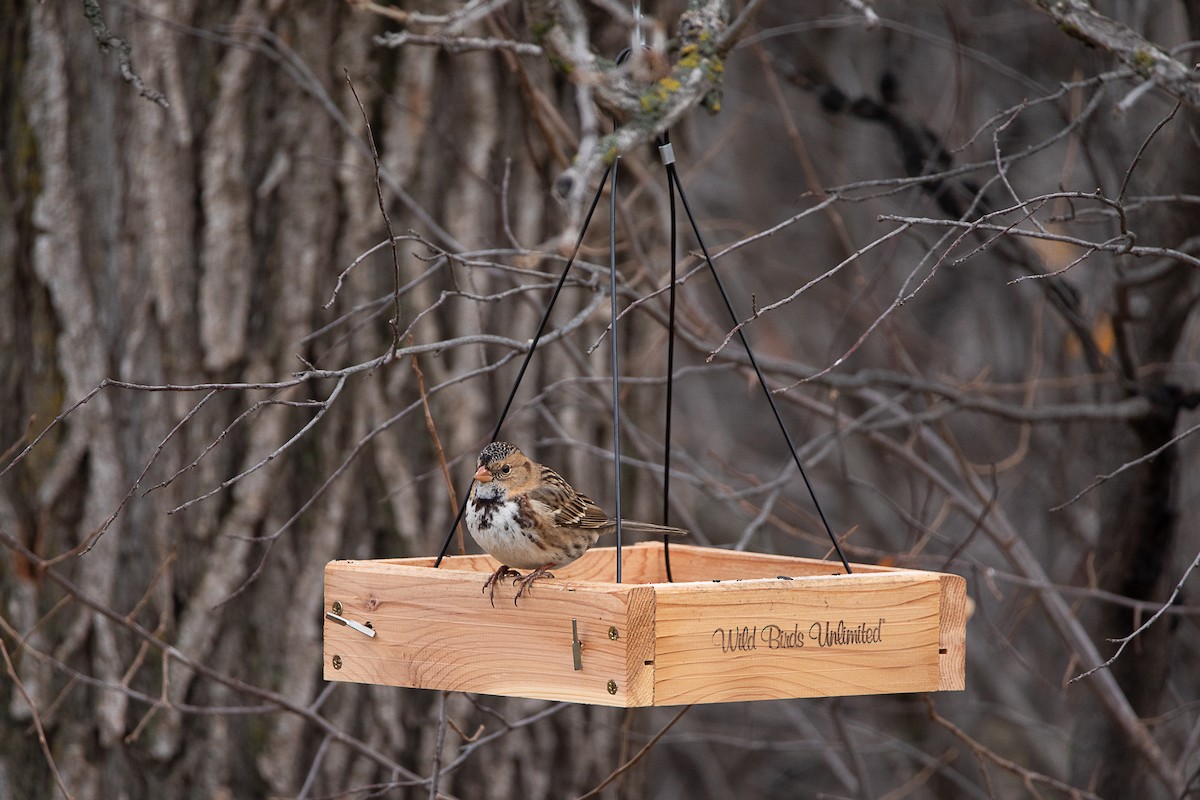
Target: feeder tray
732 626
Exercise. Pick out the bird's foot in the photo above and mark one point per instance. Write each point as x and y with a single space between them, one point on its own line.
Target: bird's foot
526 581
505 571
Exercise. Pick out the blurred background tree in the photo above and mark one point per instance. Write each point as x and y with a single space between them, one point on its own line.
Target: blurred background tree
963 239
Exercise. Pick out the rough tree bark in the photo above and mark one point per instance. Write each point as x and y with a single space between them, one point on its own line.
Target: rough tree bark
924 221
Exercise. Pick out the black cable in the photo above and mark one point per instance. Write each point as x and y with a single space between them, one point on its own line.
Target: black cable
664 142
541 328
612 333
674 176
673 185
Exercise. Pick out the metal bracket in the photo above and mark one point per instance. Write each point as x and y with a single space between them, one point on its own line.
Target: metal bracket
365 630
576 645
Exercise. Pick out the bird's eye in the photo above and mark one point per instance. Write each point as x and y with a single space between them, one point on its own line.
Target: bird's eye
505 469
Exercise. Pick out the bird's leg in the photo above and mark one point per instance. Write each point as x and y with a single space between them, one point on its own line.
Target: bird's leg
527 581
505 571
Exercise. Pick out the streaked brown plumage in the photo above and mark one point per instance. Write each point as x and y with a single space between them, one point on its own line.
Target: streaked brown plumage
526 516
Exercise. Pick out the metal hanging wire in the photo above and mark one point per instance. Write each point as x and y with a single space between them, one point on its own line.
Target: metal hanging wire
668 157
674 186
665 141
612 336
610 172
537 337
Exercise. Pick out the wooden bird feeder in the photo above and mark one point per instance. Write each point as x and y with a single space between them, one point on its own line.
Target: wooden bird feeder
732 626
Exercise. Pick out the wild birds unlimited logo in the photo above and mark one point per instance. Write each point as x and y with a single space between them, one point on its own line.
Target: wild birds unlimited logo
821 634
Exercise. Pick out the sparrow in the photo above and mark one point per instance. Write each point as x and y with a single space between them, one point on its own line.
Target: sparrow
525 515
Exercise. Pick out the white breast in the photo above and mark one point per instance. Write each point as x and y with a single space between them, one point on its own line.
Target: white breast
495 528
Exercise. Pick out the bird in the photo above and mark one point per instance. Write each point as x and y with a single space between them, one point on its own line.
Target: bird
525 515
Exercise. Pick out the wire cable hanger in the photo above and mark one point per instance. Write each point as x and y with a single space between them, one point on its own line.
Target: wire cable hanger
668 156
674 186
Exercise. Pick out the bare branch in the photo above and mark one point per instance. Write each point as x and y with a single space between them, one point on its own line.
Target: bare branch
637 756
456 44
108 40
37 721
274 698
323 408
394 323
1079 19
1125 640
1119 245
811 283
644 108
867 10
985 754
1129 465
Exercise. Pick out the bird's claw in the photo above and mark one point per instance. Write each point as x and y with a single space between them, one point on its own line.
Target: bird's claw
505 571
527 580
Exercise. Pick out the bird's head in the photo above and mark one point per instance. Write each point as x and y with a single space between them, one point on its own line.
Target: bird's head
502 468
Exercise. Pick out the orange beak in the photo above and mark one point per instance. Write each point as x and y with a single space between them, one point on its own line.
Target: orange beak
482 475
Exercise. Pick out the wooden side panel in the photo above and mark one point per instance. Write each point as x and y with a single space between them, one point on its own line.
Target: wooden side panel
952 665
643 562
808 637
691 563
435 629
639 647
640 563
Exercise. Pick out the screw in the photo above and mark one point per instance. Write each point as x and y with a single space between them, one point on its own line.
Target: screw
337 608
612 687
337 664
613 633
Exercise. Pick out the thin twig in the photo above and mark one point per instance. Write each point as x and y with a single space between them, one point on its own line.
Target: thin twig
1125 640
506 727
1120 245
341 278
394 323
1128 465
435 771
92 538
37 721
275 699
107 40
457 44
1142 149
313 768
1028 777
616 773
324 408
24 437
437 445
811 283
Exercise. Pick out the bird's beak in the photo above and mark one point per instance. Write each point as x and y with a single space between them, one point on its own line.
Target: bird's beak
482 475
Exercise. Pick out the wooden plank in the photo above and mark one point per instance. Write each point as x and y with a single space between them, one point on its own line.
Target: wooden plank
435 629
952 637
808 637
639 647
692 563
641 563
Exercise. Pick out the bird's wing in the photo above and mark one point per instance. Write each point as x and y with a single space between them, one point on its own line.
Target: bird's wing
650 527
569 508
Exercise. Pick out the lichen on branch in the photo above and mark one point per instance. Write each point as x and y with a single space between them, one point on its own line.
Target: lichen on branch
645 95
1078 19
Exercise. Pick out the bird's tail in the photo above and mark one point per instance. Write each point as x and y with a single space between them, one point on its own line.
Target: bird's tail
650 527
